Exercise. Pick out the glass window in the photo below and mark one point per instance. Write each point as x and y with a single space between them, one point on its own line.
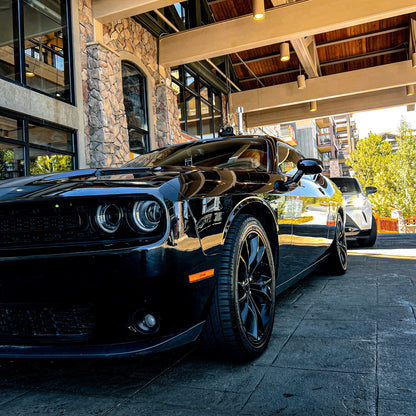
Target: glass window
175 73
11 161
288 159
135 103
45 161
45 59
30 148
200 109
192 115
247 153
48 137
190 81
10 129
9 49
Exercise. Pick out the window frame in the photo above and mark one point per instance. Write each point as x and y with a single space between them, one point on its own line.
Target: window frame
145 107
20 56
23 121
184 89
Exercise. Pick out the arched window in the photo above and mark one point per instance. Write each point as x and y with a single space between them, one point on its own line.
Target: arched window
135 103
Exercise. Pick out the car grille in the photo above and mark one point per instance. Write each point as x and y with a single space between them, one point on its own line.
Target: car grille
22 225
45 323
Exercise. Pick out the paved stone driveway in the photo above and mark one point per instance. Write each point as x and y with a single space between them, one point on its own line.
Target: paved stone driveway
341 346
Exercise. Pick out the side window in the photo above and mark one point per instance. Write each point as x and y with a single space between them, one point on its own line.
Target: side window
288 159
135 103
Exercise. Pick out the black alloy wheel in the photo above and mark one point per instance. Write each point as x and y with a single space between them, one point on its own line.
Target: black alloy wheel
338 257
241 317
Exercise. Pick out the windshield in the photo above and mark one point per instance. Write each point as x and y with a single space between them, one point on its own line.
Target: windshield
347 185
239 153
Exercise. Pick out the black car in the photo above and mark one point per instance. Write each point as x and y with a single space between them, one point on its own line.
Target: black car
189 241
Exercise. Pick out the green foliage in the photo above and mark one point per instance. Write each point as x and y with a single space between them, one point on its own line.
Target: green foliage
6 157
49 164
405 170
394 175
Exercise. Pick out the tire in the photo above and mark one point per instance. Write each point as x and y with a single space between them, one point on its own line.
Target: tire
240 320
337 261
371 239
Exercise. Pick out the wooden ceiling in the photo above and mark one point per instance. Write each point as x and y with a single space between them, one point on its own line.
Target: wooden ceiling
355 54
362 46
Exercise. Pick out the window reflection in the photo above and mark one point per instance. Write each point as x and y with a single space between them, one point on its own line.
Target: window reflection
43 161
8 42
135 103
46 136
29 148
45 57
11 161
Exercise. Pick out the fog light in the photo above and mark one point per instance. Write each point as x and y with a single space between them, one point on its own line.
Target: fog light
144 323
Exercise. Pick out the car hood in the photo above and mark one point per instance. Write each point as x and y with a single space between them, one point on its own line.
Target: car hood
175 183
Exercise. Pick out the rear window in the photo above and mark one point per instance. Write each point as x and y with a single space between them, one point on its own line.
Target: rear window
227 153
347 185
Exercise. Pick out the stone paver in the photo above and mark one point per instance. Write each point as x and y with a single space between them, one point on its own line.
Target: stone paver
341 346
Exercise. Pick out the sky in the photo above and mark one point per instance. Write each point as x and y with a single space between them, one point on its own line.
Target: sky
383 121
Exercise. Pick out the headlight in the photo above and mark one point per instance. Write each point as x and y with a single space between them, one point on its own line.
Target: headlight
109 217
358 202
147 215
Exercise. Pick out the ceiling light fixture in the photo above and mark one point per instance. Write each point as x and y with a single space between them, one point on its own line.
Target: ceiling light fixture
29 73
313 106
414 60
301 82
258 9
410 90
284 51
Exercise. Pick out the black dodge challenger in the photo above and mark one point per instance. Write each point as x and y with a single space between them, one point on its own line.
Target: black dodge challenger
189 241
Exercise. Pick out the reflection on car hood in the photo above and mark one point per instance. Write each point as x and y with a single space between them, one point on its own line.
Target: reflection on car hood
173 182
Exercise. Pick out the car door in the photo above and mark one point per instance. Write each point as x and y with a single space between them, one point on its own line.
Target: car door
306 212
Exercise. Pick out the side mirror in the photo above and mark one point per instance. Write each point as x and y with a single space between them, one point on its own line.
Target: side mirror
310 166
305 167
370 190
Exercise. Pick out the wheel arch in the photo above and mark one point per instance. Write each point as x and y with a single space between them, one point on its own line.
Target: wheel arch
260 210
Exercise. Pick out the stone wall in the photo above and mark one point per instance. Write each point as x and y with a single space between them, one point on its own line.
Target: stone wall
106 130
129 36
107 122
86 35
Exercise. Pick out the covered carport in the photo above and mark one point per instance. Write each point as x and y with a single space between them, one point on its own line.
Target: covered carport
355 55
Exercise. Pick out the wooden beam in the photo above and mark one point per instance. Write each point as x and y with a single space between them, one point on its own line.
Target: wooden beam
412 34
106 11
329 63
326 44
307 53
331 86
280 24
363 102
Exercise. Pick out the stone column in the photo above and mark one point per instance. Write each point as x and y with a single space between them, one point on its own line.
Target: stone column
107 123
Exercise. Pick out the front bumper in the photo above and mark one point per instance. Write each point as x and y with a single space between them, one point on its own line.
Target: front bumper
355 224
127 349
78 306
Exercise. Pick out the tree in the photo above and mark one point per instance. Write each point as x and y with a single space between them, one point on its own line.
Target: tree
405 170
6 159
49 164
394 174
373 164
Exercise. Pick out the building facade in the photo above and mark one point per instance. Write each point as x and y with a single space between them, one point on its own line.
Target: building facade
77 93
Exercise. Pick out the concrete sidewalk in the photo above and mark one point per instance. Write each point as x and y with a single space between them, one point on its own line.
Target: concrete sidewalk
341 346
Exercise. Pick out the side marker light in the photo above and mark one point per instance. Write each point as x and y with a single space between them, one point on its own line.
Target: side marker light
201 275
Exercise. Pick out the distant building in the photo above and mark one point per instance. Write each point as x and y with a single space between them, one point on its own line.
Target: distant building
392 139
331 139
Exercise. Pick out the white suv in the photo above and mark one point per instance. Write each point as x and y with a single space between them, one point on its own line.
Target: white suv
360 221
